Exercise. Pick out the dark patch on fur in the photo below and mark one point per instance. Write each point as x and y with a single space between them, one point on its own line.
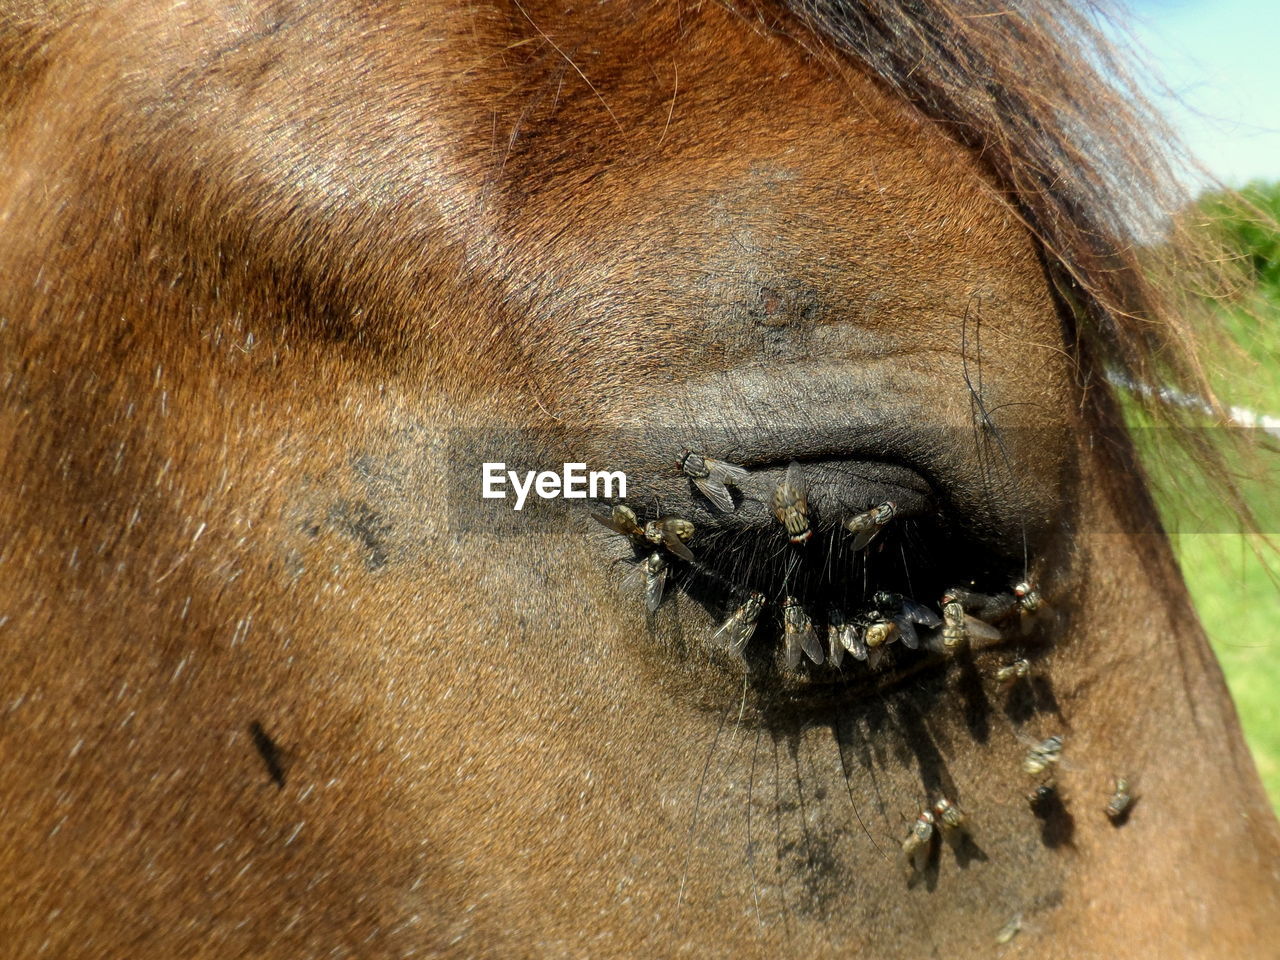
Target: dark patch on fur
271 754
935 778
977 708
819 866
1057 825
787 314
360 521
965 848
1045 701
1031 696
1020 702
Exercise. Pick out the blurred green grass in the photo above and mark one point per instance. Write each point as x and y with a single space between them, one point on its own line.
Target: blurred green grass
1234 577
1234 580
1239 605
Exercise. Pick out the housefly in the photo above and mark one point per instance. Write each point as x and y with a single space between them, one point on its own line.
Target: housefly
1042 756
915 612
799 634
988 607
958 628
1011 673
850 636
866 525
835 647
713 478
738 629
880 632
672 533
791 504
952 820
621 519
1120 802
915 848
906 614
1028 596
1030 604
655 579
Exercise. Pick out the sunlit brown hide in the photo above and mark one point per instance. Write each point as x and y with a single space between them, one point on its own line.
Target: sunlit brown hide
272 272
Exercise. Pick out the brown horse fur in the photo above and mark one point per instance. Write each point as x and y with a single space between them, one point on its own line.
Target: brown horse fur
271 690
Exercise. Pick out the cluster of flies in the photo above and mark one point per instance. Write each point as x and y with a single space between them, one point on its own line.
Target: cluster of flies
945 818
965 614
1041 761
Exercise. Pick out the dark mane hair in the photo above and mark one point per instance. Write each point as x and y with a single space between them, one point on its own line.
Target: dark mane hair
1051 106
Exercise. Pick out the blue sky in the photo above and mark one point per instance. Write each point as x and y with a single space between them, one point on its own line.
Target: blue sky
1222 60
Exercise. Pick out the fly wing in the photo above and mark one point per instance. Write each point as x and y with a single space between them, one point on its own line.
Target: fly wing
980 629
742 632
852 640
734 633
921 614
654 585
724 635
934 642
793 648
811 645
1026 622
609 522
715 491
675 544
907 631
729 473
796 480
864 537
835 646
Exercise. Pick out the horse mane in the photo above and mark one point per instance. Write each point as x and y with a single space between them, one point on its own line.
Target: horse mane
1052 107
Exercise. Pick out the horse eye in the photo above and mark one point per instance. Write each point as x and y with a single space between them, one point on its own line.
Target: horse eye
827 573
